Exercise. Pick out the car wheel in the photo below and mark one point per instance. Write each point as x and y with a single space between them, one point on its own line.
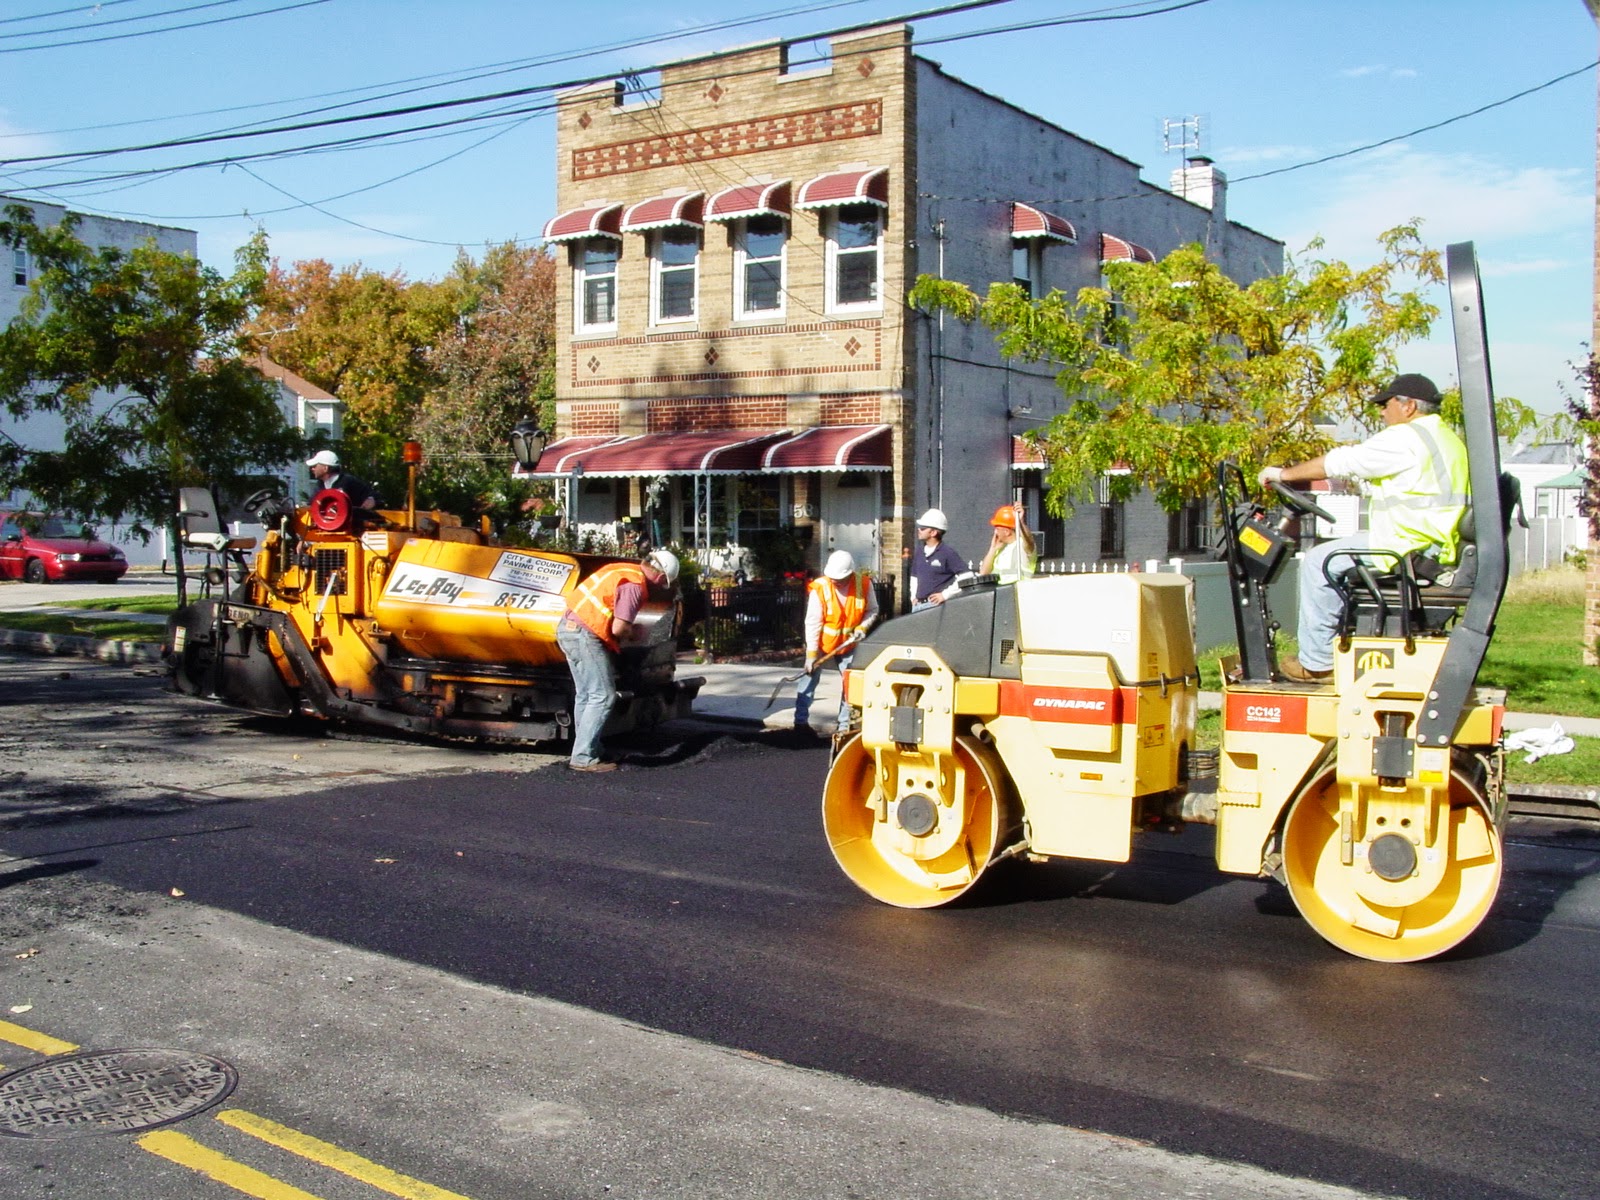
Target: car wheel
35 572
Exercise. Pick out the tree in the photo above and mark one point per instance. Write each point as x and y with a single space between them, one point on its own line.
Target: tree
494 368
1174 367
139 353
364 336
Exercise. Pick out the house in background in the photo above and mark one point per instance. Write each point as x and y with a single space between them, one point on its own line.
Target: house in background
735 353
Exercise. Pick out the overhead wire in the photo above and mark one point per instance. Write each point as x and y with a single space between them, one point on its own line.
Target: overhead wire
121 37
97 24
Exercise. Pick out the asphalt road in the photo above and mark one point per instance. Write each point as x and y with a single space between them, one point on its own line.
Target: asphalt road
693 894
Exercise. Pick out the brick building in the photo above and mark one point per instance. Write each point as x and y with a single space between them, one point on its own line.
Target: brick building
735 354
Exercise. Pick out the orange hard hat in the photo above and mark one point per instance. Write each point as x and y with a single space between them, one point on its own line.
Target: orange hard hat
1005 517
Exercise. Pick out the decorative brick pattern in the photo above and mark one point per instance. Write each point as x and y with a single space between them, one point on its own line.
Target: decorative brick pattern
692 413
753 136
593 420
821 348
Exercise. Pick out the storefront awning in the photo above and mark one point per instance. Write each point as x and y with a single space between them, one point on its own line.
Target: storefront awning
594 220
1030 222
1115 249
662 212
867 186
1025 456
831 448
720 452
750 200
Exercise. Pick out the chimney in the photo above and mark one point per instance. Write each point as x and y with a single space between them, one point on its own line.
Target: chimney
1198 180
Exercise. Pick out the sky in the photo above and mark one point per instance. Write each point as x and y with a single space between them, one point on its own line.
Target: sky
1276 84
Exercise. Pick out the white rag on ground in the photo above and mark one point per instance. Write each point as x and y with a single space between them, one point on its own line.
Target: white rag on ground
1540 742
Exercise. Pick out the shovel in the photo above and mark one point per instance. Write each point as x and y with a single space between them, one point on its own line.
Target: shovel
790 680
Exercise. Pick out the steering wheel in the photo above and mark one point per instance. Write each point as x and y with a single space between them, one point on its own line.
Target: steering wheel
256 501
1301 502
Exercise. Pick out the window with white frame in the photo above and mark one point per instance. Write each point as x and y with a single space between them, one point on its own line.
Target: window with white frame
674 273
855 257
1027 265
758 266
19 267
595 272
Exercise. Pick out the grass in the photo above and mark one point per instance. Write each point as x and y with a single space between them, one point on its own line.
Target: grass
1536 654
109 628
144 604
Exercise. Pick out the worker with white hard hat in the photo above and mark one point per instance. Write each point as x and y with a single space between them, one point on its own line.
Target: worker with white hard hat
935 563
601 612
841 606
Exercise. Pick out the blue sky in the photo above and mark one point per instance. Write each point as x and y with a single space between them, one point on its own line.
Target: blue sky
1275 83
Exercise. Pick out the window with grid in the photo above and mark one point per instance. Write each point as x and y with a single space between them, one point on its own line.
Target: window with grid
758 271
855 252
1027 261
674 273
1186 528
1113 522
19 267
597 284
760 504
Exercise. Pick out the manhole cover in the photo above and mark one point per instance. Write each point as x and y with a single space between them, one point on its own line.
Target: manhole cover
110 1091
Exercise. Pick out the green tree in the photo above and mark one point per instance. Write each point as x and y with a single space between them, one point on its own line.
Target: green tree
1174 367
494 368
138 353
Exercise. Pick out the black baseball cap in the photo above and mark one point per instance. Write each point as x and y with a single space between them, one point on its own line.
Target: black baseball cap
1412 387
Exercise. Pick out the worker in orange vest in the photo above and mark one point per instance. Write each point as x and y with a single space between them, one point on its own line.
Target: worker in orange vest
600 614
841 606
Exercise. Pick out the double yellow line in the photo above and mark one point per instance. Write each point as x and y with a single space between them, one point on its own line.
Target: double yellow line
185 1151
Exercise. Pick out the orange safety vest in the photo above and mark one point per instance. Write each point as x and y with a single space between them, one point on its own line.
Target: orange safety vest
841 612
593 602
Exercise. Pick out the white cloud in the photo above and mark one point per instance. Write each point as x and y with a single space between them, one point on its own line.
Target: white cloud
1531 266
15 143
1236 156
1382 69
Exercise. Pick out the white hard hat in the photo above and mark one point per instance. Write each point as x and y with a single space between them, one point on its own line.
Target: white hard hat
323 458
934 518
841 565
666 562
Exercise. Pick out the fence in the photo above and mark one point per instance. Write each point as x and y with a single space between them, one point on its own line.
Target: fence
1546 542
753 618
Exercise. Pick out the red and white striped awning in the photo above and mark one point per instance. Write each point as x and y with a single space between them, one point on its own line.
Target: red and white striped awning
831 448
867 186
1115 249
592 220
750 200
661 212
1025 455
699 452
1030 222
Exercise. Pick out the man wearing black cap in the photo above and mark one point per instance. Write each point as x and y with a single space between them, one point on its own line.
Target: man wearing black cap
1415 471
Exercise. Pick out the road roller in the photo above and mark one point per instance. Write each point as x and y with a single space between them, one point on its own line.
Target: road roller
1055 719
402 621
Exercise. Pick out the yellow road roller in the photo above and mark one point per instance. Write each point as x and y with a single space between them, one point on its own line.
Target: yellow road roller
1055 718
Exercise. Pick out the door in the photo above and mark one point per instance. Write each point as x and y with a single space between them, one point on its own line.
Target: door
850 517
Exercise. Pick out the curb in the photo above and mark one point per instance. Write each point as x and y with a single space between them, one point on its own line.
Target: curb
79 646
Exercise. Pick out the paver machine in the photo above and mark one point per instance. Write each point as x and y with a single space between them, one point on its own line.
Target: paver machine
1055 718
404 621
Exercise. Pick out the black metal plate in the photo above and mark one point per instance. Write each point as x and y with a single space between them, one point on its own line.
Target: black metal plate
110 1091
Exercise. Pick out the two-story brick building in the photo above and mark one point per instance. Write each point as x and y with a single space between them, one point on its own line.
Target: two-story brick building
735 350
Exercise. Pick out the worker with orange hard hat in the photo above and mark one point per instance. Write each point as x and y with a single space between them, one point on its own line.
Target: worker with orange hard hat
1012 555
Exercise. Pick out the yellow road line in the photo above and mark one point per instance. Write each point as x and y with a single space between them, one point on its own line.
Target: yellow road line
186 1152
29 1039
332 1156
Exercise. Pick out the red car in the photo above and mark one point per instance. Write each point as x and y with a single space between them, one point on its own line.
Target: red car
44 549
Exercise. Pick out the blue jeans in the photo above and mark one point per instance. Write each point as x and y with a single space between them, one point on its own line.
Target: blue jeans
1320 605
805 690
594 689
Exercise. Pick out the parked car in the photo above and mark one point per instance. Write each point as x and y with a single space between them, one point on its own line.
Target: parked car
45 549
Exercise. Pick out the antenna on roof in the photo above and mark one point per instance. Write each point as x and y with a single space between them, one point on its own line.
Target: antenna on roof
1181 134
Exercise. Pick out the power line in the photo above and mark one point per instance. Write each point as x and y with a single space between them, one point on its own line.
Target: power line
120 37
61 12
170 12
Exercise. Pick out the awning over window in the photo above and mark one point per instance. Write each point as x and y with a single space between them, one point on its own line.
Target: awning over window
1030 222
750 200
720 452
867 186
1025 456
662 212
831 448
594 220
1115 249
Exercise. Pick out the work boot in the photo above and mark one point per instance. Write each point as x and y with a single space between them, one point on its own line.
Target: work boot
594 767
1291 669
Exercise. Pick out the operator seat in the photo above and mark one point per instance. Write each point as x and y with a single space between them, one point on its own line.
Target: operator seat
200 524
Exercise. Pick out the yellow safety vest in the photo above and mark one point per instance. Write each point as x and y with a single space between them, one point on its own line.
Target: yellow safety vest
593 601
1424 514
842 612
